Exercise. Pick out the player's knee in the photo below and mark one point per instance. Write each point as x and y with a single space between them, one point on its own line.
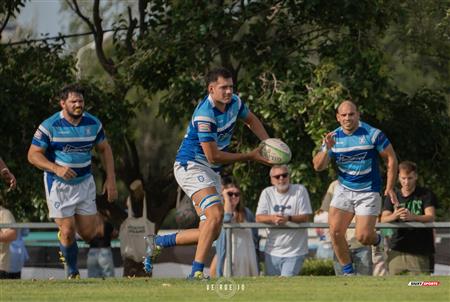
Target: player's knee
364 238
336 234
214 215
67 234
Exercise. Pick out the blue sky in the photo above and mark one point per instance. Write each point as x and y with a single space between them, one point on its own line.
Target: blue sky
43 16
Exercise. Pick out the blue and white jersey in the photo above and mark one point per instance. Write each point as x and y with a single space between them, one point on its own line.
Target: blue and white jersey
208 124
69 145
357 156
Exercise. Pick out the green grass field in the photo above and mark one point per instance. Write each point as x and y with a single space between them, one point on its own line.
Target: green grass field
247 289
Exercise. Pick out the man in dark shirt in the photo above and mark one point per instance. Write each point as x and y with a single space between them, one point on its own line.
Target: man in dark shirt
411 249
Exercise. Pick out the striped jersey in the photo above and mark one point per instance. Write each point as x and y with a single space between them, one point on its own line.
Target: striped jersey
68 145
357 157
208 124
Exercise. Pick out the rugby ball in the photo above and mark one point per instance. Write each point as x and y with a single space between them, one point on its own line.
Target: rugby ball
276 151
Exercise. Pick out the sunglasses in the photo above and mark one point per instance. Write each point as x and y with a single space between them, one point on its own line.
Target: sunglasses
284 175
235 194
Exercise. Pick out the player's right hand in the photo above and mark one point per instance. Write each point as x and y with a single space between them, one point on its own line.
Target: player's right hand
65 173
255 155
328 140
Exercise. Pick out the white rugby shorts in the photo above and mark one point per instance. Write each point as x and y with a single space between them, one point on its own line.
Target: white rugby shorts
360 203
195 177
66 200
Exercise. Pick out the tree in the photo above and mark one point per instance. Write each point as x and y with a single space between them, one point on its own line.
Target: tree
292 62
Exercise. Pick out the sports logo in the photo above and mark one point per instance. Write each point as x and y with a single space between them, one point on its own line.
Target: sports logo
57 204
424 283
201 178
204 127
351 158
80 149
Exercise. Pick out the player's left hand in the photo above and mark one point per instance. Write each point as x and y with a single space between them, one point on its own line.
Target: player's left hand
110 188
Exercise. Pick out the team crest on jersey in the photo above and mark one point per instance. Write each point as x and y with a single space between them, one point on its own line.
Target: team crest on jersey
204 127
38 134
57 204
201 178
362 140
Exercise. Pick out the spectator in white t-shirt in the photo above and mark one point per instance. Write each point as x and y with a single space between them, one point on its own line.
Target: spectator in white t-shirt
285 249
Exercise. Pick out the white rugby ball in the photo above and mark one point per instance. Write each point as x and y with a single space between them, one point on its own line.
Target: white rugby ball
276 151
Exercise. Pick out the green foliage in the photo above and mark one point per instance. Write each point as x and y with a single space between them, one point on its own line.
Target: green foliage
292 62
419 127
11 7
271 48
30 77
317 267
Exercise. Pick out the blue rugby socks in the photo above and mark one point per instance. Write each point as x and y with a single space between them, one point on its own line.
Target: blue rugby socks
166 240
348 268
70 254
196 267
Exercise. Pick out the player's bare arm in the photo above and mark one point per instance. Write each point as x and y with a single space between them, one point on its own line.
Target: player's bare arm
36 156
107 158
322 159
390 159
255 125
7 175
216 156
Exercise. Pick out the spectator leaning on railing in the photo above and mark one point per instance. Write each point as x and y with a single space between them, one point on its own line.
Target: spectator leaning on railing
411 249
285 250
6 234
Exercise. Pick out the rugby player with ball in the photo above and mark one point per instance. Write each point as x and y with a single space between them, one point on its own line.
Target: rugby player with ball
200 157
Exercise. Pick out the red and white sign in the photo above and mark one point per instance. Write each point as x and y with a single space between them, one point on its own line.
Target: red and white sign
424 283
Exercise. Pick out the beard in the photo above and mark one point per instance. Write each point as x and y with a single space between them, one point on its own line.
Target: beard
282 188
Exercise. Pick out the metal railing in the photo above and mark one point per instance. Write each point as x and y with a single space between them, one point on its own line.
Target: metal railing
30 225
305 225
230 226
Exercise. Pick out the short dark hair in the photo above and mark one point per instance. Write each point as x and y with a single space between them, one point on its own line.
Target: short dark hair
408 166
214 75
74 88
